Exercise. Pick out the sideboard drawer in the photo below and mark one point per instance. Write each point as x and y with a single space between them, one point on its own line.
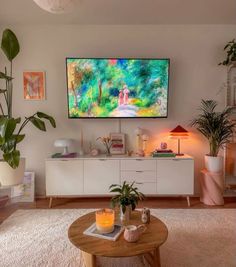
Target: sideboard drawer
147 188
138 165
138 176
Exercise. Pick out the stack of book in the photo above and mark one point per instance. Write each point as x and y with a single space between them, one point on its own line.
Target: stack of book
165 153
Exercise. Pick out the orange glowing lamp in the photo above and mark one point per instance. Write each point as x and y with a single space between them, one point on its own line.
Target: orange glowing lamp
179 133
105 219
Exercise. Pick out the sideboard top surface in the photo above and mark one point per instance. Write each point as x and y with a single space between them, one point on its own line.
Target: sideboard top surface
122 157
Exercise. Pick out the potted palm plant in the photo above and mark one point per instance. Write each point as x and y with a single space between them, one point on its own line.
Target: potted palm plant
12 167
217 128
127 198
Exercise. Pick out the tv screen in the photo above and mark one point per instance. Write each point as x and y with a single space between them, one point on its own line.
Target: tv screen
117 87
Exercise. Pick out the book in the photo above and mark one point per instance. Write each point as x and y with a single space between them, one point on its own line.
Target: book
113 236
70 155
164 155
163 151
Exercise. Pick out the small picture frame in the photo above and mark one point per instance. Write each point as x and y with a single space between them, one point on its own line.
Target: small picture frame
118 143
28 187
34 85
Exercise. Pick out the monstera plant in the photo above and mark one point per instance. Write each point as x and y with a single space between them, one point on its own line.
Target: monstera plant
11 129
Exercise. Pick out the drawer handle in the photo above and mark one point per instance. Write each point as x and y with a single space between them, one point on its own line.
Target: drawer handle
102 159
176 159
139 159
139 171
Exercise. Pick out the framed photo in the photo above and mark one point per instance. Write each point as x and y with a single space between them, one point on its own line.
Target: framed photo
118 143
34 85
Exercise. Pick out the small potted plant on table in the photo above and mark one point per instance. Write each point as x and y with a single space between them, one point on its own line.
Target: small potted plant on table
127 198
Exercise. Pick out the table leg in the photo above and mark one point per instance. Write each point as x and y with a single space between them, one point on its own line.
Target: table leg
157 258
188 201
153 258
50 202
89 259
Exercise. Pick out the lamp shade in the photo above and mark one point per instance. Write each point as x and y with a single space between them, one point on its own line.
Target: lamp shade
56 6
179 132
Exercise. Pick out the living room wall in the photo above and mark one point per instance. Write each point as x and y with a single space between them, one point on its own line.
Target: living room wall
194 51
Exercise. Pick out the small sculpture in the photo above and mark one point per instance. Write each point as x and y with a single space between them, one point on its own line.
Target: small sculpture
163 145
145 217
94 152
129 153
140 153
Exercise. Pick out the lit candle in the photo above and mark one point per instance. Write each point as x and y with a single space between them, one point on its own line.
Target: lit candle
105 220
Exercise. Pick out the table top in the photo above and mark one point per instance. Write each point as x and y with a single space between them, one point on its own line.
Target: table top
155 235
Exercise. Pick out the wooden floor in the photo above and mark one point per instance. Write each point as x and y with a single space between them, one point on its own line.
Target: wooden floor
83 203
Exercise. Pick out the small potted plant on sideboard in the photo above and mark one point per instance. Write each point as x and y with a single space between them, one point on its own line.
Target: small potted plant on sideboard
217 128
127 198
12 167
230 49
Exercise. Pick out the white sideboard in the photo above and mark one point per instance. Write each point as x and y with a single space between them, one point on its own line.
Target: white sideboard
92 176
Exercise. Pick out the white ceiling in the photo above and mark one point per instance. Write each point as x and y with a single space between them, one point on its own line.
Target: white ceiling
118 12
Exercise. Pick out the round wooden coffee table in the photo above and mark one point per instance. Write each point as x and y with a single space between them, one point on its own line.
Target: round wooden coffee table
148 244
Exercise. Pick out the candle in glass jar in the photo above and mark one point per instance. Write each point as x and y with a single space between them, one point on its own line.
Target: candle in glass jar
105 220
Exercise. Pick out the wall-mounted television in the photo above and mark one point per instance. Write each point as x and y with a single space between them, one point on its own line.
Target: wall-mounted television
117 87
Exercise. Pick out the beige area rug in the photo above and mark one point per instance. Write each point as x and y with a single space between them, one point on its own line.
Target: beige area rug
199 238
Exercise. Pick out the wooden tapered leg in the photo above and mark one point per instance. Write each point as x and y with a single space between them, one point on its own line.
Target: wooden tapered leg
89 259
188 201
50 202
149 258
156 258
153 258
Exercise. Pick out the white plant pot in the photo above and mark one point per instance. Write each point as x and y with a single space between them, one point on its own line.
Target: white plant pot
214 164
10 176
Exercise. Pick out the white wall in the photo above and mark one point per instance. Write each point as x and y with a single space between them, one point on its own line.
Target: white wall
194 52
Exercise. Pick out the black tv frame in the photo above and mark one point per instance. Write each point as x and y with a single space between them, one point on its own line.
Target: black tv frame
86 118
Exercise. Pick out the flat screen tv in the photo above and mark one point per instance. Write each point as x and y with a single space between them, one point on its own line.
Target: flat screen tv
117 87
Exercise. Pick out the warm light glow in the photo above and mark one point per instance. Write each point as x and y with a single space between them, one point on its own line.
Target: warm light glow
105 220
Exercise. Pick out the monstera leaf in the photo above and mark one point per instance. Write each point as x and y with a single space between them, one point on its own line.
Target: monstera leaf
10 45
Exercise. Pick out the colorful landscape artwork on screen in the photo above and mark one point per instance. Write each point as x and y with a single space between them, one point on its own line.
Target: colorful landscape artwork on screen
102 88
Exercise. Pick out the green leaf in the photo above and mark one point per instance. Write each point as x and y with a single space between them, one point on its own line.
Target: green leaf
19 137
10 127
1 141
10 44
47 117
38 123
18 120
2 91
12 158
4 76
7 127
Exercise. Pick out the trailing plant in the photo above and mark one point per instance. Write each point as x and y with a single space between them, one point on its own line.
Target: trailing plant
215 126
127 195
230 49
11 128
